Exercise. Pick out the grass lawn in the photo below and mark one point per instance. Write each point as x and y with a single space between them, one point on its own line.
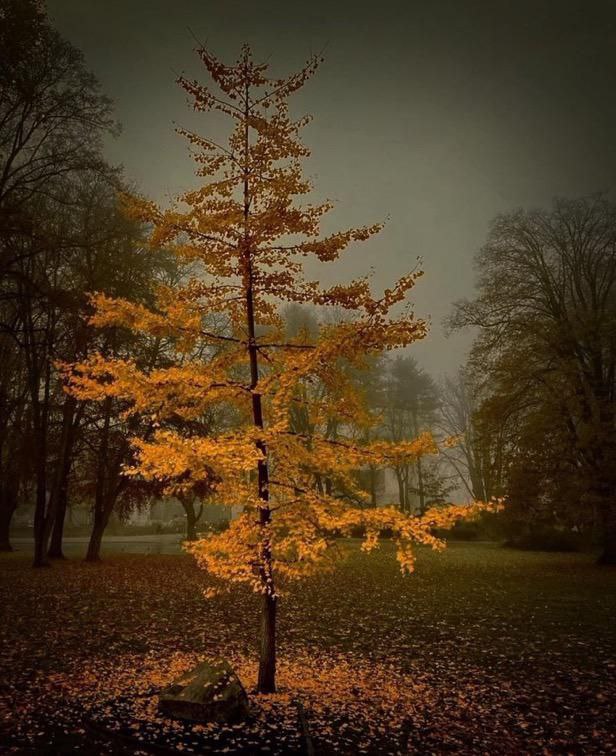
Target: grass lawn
482 650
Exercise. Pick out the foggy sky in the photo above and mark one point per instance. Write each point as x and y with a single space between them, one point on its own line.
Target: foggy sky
436 115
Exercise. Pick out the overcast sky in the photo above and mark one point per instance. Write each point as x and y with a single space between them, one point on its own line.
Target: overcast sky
436 114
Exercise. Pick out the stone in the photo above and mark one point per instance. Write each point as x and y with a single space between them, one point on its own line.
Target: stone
211 692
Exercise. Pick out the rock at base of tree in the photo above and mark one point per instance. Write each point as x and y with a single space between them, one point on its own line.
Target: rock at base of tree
211 692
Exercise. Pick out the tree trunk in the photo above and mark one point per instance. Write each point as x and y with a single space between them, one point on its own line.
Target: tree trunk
192 517
401 495
40 423
420 488
267 660
101 518
191 525
608 521
40 543
6 514
102 505
372 474
40 507
55 544
408 504
9 491
94 544
59 492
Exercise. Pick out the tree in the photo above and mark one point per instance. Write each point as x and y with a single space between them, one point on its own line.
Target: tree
481 436
359 382
52 121
14 435
247 230
546 311
525 450
114 260
544 489
369 385
80 244
411 402
52 114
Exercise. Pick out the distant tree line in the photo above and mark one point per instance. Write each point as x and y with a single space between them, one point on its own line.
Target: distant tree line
402 401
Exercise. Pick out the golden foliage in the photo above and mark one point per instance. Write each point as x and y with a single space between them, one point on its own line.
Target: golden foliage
247 230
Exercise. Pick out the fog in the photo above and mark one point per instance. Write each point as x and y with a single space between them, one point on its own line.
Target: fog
435 116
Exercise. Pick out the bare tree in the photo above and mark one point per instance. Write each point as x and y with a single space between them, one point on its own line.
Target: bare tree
546 313
477 456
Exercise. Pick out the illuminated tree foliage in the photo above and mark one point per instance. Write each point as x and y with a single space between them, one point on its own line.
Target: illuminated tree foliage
246 230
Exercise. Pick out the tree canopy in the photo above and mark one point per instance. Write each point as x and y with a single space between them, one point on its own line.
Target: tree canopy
247 230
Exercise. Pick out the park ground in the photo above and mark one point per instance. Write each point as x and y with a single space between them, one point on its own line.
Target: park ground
483 650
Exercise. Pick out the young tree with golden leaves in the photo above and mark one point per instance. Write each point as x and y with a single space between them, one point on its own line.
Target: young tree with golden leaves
248 231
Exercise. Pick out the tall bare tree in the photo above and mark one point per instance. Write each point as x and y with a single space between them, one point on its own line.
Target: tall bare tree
546 313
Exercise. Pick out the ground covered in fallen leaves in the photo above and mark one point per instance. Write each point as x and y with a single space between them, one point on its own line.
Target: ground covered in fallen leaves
483 650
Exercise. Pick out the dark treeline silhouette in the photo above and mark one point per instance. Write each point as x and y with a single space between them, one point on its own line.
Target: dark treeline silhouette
537 399
62 235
